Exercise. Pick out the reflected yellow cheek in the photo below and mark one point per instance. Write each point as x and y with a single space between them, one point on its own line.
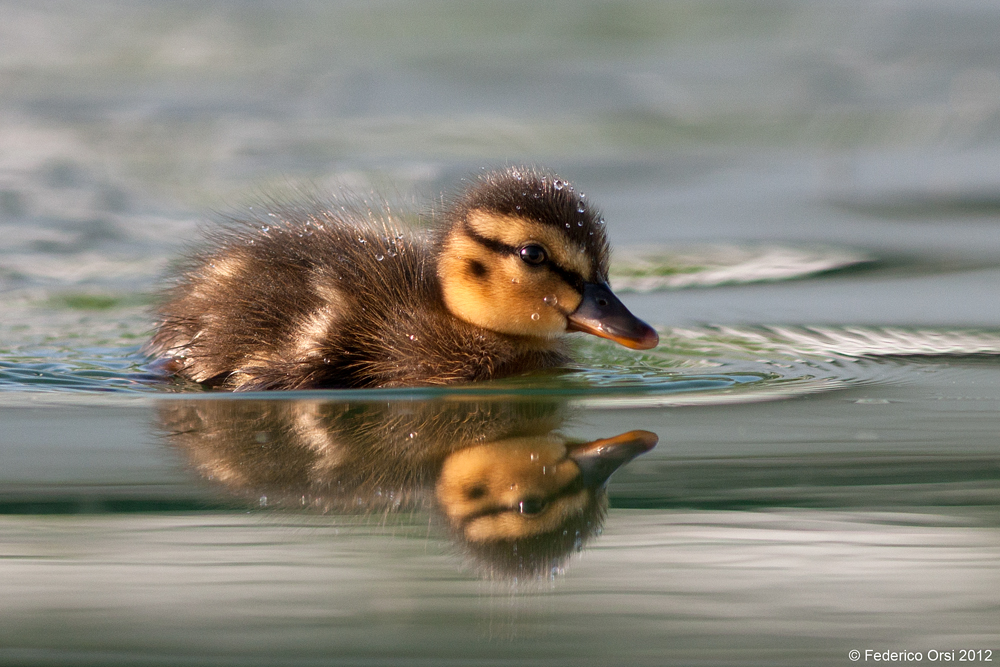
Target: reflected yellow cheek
513 525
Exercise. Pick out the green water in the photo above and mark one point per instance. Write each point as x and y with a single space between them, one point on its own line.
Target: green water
802 198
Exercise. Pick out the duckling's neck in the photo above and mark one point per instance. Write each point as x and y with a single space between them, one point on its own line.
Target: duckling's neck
435 348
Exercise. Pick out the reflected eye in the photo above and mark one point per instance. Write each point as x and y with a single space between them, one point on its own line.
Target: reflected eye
531 506
533 254
476 492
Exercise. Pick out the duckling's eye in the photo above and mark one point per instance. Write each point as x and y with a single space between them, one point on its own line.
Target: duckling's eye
533 254
531 506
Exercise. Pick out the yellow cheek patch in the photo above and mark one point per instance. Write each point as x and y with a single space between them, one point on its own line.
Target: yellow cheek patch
503 473
466 293
494 288
515 232
495 291
513 525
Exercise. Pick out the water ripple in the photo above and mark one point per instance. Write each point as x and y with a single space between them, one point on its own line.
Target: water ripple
692 365
649 269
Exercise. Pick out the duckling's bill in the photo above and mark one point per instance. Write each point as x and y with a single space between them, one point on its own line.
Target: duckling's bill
597 460
602 314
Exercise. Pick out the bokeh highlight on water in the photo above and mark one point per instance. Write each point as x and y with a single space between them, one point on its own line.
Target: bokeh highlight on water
803 197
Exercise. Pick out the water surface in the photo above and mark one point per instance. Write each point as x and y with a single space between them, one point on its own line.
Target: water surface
803 198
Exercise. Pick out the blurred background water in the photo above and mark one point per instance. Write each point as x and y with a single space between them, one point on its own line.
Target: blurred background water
803 197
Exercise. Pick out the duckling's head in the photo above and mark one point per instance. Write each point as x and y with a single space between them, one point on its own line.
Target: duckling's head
523 253
522 487
521 506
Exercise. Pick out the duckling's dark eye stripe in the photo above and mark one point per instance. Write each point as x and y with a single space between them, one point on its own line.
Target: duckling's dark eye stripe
498 247
571 278
572 487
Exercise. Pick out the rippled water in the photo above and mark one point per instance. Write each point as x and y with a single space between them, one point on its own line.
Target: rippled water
803 197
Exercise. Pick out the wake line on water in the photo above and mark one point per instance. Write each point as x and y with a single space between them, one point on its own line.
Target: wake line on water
794 361
846 341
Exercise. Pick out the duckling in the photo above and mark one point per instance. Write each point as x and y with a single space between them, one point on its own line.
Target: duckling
301 296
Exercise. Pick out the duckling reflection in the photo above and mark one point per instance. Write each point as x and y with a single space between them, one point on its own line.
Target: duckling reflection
515 495
524 503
